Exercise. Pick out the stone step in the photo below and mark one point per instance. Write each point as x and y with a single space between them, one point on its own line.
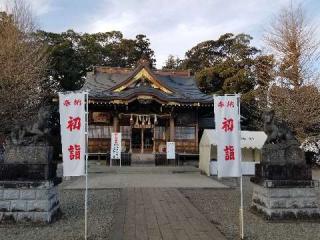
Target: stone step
143 162
142 168
135 157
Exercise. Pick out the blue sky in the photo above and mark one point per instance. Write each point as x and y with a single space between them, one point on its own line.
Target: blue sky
173 26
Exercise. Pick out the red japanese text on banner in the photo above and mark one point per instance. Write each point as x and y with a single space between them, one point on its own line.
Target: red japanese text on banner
226 113
72 123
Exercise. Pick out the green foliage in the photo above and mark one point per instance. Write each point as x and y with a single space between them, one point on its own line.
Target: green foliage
227 65
224 65
172 63
264 73
73 54
142 49
66 66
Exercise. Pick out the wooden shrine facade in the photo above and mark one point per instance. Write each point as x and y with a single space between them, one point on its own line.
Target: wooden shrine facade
149 107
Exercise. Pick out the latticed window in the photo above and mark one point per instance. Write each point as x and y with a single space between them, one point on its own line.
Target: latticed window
185 133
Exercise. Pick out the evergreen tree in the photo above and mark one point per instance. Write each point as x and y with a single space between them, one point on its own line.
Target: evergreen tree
172 63
73 54
227 66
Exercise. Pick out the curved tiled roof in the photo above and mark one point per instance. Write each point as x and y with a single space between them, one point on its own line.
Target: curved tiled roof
100 85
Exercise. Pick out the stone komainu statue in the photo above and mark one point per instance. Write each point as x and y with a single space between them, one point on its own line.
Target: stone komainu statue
277 132
32 132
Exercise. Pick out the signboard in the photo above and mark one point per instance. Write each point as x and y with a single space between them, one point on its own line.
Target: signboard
72 123
227 122
171 150
101 117
115 145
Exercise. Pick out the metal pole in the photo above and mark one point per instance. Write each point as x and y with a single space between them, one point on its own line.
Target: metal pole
241 210
241 182
86 168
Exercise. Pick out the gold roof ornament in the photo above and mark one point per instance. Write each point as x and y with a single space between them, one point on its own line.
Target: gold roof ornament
146 75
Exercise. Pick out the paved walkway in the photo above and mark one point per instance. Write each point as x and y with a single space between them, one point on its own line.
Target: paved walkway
125 180
151 207
160 213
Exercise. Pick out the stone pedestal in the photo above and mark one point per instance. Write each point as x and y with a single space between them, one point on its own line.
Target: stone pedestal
278 203
25 163
282 175
283 185
281 154
31 154
33 201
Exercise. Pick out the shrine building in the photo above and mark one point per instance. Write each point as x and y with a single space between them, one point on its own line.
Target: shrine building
149 107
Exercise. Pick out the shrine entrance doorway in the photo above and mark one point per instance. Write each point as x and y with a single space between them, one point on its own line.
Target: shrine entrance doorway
142 140
148 140
136 140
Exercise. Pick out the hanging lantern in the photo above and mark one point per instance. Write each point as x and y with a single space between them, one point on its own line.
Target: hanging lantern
131 120
137 123
149 122
155 120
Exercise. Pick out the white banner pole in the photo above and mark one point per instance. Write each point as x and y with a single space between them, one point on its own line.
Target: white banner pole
86 159
241 182
241 210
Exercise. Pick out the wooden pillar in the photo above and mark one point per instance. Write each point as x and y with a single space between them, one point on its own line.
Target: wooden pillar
142 140
197 136
154 141
130 150
172 129
115 123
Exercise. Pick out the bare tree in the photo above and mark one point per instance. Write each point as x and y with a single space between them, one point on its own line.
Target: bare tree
292 90
23 63
299 107
293 41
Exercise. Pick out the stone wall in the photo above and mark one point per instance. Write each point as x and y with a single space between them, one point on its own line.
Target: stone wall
28 201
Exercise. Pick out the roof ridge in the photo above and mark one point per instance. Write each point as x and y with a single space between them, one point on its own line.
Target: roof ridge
165 72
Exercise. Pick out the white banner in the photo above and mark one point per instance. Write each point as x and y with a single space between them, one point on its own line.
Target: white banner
115 145
171 150
227 117
72 123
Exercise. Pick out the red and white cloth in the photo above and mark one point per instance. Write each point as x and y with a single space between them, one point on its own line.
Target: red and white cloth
227 122
72 123
115 145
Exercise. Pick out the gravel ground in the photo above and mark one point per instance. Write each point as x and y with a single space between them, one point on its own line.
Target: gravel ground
71 224
221 207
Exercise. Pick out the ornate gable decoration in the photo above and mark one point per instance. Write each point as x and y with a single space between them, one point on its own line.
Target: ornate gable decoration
142 76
